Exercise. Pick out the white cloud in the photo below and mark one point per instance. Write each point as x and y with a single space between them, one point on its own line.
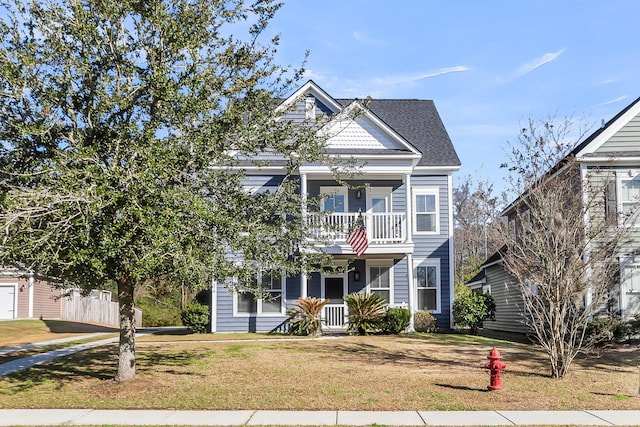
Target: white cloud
538 62
613 101
375 87
400 79
366 40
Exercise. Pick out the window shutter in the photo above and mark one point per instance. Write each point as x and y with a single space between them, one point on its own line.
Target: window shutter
610 202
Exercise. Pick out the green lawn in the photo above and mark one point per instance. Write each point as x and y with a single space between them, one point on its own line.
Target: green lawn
408 372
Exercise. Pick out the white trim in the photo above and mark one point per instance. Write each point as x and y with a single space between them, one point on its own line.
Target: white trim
379 192
429 262
408 197
611 130
31 283
367 168
214 306
343 119
345 283
429 170
412 290
630 175
381 263
15 297
622 161
426 191
335 190
626 263
451 248
310 87
259 312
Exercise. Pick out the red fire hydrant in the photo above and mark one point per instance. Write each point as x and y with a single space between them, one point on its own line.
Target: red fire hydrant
495 366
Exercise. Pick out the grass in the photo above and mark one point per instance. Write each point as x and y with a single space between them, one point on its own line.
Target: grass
18 332
409 372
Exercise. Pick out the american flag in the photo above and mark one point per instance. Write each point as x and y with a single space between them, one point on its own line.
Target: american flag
358 237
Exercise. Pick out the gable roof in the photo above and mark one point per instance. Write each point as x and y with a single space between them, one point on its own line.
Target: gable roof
419 123
585 149
601 135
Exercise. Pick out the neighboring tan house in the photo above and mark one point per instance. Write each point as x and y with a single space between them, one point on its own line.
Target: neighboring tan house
22 296
613 151
404 194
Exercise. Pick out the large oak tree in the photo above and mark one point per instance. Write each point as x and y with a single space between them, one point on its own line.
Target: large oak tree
119 123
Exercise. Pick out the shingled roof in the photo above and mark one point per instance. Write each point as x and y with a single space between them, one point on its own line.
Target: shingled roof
418 122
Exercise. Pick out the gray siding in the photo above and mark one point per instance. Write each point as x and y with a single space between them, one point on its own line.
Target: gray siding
313 189
262 180
353 286
400 282
626 139
436 246
226 322
509 305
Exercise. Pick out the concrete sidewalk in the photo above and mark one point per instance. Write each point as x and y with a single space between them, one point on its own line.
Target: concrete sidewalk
6 350
52 417
37 359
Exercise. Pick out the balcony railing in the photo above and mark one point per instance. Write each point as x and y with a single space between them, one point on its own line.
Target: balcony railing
381 228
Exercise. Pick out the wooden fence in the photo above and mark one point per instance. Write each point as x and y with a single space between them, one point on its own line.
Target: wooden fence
92 310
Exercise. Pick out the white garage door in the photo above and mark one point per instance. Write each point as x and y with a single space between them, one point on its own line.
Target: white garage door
7 301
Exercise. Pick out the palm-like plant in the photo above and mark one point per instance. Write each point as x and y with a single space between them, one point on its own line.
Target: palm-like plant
304 317
366 312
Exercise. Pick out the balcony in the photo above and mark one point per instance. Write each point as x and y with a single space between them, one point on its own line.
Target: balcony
386 232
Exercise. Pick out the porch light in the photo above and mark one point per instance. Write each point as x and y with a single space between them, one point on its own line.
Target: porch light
358 194
356 274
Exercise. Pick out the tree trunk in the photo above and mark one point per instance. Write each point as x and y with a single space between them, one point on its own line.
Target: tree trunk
127 350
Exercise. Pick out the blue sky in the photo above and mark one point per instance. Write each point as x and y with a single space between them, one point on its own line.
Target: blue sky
489 65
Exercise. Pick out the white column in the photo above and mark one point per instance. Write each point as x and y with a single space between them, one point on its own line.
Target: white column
214 306
451 249
303 194
303 209
409 209
411 286
31 283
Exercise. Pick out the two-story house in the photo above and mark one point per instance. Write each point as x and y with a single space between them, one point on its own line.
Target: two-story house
611 155
402 192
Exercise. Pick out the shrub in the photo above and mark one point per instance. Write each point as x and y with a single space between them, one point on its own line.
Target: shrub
366 313
634 325
195 316
472 309
608 328
423 321
396 320
304 317
155 313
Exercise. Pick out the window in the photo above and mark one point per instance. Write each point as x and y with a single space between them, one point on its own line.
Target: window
630 198
334 199
271 288
630 298
428 285
380 281
426 209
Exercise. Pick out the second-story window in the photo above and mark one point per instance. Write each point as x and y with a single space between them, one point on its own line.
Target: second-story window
630 198
426 212
334 199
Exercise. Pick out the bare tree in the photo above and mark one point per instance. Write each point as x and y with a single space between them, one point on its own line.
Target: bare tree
476 231
561 245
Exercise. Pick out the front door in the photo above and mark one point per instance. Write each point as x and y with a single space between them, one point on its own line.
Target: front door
334 289
334 313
